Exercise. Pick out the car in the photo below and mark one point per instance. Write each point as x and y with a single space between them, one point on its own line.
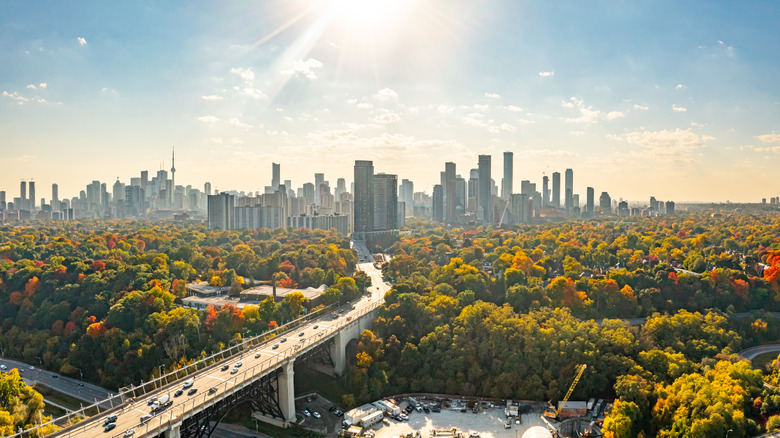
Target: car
349 318
309 399
130 432
188 383
145 418
108 427
283 340
192 391
258 354
109 419
238 364
225 367
32 367
3 367
178 393
315 327
306 413
316 414
151 401
338 413
212 390
276 345
332 408
54 376
300 334
81 384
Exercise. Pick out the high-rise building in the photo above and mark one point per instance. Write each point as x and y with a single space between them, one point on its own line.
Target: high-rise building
55 194
319 179
485 199
308 193
363 207
220 211
406 195
590 201
22 195
556 190
449 192
173 179
460 195
341 188
2 200
145 180
605 203
437 210
385 202
32 195
206 188
275 176
135 201
507 182
569 189
669 207
545 191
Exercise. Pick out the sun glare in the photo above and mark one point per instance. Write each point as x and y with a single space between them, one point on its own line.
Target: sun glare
368 15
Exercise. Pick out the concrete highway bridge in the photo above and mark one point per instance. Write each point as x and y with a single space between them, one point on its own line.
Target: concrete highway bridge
258 372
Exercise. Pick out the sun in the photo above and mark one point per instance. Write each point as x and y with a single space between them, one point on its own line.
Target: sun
369 16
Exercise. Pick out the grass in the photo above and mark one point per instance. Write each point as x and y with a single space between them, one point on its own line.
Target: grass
62 400
762 361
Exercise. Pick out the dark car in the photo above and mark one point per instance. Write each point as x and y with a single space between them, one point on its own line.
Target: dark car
109 427
109 419
225 367
178 393
192 391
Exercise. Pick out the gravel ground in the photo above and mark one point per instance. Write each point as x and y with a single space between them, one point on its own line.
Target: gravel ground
489 423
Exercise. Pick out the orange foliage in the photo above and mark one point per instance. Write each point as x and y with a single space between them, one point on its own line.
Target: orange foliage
60 273
99 265
287 283
56 328
32 285
69 327
287 267
91 319
272 325
96 329
741 288
15 298
211 316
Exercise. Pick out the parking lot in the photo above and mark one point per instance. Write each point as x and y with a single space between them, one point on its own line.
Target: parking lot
489 423
328 423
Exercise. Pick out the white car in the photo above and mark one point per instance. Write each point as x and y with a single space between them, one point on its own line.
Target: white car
316 414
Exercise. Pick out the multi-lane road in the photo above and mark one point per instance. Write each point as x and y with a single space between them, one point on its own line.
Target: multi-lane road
73 387
216 380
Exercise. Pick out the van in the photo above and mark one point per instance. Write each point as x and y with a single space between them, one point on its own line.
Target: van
145 418
188 383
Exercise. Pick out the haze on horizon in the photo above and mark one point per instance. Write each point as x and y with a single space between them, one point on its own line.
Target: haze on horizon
675 100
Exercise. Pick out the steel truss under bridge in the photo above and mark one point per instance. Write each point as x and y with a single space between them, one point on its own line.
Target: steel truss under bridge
262 395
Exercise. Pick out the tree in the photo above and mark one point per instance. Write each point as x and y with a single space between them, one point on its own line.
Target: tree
295 302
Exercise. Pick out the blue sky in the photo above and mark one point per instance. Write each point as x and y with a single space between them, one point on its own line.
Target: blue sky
678 100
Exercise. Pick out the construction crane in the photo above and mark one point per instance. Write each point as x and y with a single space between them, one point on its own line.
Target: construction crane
552 412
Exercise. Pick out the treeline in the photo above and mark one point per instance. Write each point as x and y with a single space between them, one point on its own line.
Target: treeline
100 298
511 313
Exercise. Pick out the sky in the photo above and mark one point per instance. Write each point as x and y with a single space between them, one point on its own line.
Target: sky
677 100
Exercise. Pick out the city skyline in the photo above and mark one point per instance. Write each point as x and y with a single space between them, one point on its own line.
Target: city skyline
669 100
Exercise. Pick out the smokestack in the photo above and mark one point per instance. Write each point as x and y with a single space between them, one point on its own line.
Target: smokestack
274 286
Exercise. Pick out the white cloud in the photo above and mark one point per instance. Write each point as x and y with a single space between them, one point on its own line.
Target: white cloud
680 87
32 86
235 122
513 108
253 93
211 97
678 145
493 95
386 116
577 133
612 115
208 119
21 100
506 127
679 109
217 140
446 109
729 50
769 138
482 108
386 94
697 125
82 41
640 107
244 73
587 114
26 158
474 119
304 68
364 105
546 74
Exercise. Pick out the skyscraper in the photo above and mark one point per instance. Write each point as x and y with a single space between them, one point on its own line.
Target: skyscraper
32 195
472 190
145 180
605 203
545 191
341 188
507 182
449 192
22 195
2 200
556 190
485 201
206 187
173 178
589 208
437 210
385 202
406 195
319 179
364 196
55 194
275 176
569 189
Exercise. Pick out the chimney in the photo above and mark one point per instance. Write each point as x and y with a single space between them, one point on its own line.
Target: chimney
274 286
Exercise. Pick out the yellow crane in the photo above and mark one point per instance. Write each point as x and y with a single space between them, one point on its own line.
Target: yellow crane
553 413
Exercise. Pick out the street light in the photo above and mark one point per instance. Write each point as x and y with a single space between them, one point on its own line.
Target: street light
39 360
80 373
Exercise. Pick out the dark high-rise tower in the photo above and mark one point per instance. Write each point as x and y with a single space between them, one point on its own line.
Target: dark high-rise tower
22 195
569 189
485 201
55 194
556 190
590 206
545 191
364 196
276 176
506 184
449 192
32 195
385 202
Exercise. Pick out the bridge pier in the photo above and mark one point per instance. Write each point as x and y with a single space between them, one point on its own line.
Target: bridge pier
286 388
338 353
174 431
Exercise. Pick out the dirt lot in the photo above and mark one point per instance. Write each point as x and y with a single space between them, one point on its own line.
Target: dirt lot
489 423
328 424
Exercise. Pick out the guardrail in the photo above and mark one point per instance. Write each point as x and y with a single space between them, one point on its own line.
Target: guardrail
173 377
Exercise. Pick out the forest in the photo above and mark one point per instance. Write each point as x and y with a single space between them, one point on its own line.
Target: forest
506 313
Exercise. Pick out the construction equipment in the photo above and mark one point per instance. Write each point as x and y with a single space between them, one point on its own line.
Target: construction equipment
552 412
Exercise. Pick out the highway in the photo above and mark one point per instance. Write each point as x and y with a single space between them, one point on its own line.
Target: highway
752 352
216 380
75 388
